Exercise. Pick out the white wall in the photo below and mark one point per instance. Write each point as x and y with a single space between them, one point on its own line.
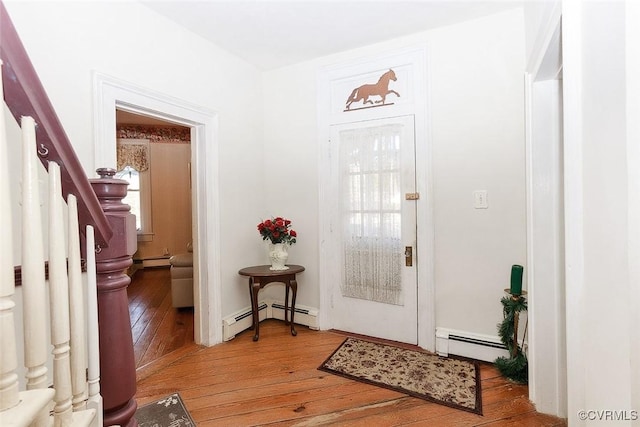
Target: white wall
68 41
291 170
632 37
602 239
476 105
478 144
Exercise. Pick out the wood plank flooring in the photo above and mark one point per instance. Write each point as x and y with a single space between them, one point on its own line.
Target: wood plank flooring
275 381
156 327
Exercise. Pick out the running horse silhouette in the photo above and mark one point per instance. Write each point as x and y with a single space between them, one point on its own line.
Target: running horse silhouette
380 89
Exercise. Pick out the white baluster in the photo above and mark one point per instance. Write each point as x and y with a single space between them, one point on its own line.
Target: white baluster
33 278
8 358
93 345
76 311
59 296
34 300
32 406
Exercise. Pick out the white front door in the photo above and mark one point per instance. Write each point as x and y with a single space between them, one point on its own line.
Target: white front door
373 228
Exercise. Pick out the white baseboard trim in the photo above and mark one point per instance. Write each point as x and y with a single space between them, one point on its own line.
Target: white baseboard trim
469 344
267 309
156 262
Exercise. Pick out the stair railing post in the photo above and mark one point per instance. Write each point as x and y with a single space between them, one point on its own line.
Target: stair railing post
117 362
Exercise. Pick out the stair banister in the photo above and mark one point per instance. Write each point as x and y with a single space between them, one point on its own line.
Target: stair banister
31 408
115 236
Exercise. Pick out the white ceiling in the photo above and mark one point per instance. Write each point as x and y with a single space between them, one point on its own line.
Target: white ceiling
275 33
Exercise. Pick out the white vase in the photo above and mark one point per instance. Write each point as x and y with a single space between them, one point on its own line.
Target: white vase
278 254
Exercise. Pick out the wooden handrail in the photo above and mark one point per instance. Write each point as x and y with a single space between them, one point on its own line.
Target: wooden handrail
25 96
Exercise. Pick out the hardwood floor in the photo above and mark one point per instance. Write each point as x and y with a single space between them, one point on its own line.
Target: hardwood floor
275 381
156 327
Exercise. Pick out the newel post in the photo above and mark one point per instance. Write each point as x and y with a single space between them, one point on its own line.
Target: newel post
117 362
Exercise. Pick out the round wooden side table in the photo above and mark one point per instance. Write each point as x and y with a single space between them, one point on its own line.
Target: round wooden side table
262 275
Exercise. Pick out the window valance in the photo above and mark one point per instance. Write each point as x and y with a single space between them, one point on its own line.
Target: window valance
133 154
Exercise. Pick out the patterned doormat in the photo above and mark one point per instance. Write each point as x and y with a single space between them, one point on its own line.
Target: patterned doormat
166 412
444 380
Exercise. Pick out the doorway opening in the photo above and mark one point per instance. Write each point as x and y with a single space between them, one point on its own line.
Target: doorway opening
112 94
155 157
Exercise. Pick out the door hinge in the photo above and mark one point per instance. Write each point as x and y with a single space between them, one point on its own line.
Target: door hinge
412 196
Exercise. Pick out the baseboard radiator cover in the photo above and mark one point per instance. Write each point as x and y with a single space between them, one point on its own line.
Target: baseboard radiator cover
267 309
304 315
469 344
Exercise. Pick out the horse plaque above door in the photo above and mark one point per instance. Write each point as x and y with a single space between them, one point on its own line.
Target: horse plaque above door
353 91
379 89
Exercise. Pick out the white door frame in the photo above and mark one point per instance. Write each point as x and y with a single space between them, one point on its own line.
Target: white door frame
110 93
545 220
416 103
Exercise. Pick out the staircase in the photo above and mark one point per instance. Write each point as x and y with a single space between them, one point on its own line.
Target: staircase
78 359
74 397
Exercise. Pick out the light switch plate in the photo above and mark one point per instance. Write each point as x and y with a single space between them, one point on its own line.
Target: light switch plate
480 199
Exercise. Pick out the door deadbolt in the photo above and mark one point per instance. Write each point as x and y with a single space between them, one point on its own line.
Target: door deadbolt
408 256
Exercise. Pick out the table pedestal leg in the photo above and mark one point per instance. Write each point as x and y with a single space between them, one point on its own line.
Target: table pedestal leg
286 302
253 319
294 291
255 287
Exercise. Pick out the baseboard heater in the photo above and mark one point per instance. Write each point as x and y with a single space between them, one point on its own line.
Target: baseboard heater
267 309
468 344
476 341
299 310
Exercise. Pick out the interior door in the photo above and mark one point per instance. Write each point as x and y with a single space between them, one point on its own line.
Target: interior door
374 227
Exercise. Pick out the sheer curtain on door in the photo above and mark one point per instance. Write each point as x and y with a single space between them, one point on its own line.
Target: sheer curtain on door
371 213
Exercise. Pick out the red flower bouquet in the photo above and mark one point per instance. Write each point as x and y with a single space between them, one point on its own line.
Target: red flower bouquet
277 230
